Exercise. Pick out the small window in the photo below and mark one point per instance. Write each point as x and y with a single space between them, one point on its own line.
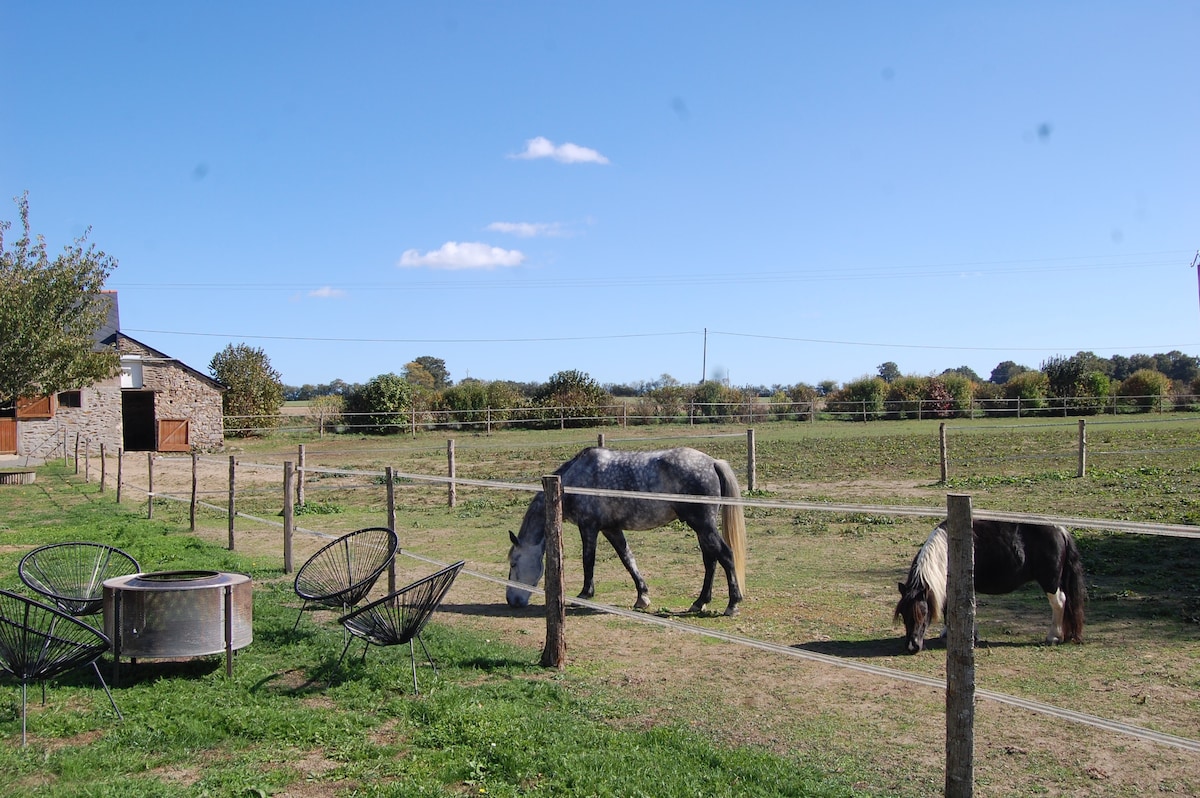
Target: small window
131 372
70 399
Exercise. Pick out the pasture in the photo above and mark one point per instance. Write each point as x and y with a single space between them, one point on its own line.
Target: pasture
819 582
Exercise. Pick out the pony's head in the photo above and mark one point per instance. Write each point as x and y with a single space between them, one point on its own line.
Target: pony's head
923 594
527 558
915 608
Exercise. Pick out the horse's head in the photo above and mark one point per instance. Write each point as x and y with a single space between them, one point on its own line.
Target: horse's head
914 608
525 564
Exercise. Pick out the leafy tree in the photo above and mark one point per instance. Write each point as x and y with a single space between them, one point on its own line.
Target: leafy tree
889 371
1005 371
418 375
827 387
326 411
50 311
574 392
964 371
254 389
1178 366
436 368
382 401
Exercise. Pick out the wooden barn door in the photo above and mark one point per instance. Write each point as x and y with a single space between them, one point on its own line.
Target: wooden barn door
173 435
8 436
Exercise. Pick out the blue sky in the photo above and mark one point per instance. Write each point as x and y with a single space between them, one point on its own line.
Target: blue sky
766 192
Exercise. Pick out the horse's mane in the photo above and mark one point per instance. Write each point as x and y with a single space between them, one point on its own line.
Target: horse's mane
928 572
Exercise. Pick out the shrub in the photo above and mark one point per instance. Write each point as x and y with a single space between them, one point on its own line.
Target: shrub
1028 390
380 405
861 400
1145 389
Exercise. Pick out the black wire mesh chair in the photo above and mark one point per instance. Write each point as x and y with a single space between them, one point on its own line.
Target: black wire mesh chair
342 572
39 642
399 617
72 575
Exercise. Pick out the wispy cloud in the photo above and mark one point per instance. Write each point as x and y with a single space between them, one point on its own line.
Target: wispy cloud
542 147
470 255
327 292
528 229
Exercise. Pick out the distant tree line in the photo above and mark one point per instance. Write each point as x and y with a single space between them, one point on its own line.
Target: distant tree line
1080 384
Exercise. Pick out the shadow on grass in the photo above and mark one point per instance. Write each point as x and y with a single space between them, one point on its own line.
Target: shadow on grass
857 649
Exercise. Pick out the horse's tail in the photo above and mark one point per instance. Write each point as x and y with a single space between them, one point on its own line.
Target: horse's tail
1074 586
733 521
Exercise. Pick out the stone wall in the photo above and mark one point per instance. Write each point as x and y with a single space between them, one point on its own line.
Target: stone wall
179 393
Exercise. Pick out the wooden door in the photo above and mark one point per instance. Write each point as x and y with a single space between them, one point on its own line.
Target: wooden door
173 435
8 436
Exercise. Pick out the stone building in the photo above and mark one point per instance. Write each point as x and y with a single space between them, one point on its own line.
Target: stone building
155 404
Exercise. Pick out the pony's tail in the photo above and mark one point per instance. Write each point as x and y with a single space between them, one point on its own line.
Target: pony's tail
733 521
1074 586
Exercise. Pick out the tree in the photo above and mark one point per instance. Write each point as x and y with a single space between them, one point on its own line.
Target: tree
254 392
436 368
1005 371
964 371
418 375
50 312
382 401
1145 389
889 371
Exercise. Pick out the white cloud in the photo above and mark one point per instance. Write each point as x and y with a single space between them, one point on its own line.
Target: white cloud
542 147
471 255
527 229
327 292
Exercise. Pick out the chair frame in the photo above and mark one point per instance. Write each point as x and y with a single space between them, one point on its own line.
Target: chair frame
354 590
106 563
19 639
391 620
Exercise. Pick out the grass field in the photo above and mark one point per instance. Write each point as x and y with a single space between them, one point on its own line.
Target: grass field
821 582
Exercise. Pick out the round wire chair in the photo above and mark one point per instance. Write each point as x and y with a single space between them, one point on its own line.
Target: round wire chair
72 575
39 642
400 616
342 572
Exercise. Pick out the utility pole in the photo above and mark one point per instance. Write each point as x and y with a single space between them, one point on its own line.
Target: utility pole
1195 264
704 360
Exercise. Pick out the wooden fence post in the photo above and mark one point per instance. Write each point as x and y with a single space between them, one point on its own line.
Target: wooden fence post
149 484
600 440
960 649
103 470
289 513
120 469
77 454
1082 448
195 487
751 461
300 476
554 655
391 520
452 489
942 454
87 460
232 492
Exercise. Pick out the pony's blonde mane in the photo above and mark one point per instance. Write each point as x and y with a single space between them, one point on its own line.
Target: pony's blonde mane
930 567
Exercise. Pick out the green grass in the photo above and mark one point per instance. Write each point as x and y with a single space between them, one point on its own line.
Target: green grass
290 718
819 581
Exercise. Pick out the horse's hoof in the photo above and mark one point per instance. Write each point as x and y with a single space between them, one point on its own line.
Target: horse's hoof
731 611
642 603
697 607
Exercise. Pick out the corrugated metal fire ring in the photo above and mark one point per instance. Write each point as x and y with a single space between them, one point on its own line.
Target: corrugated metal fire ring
178 614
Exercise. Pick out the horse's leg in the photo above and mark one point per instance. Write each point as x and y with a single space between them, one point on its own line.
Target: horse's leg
587 534
1058 602
617 538
710 570
715 551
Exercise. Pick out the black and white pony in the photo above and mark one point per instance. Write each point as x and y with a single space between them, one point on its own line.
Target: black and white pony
670 471
1008 554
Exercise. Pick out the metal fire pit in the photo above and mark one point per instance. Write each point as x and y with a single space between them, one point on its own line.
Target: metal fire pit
178 614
